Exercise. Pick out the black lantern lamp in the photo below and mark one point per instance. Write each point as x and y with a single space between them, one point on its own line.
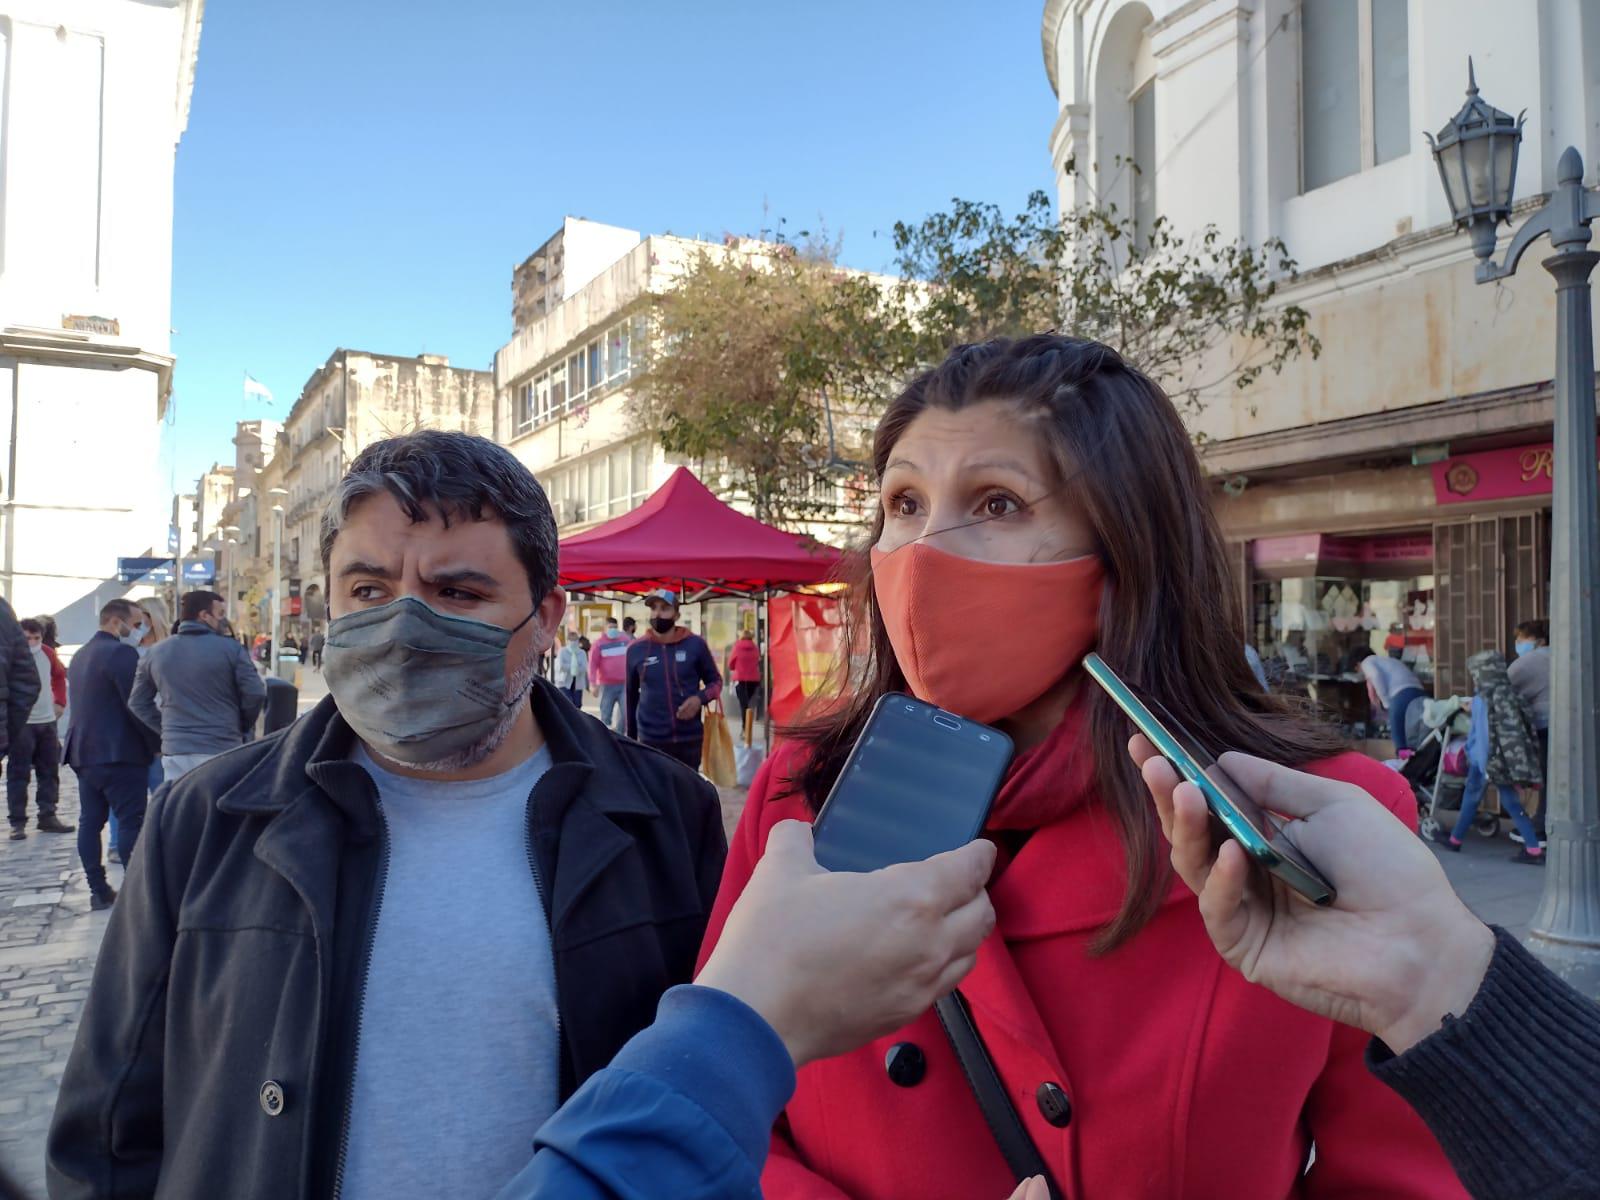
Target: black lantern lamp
1477 157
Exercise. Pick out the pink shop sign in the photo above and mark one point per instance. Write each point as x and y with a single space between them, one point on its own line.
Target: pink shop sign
1495 474
1314 550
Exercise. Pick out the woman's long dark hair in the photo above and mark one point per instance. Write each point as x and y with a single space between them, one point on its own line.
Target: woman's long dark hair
1170 620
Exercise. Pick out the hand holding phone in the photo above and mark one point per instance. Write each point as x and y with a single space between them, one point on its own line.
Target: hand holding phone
1237 815
918 782
1395 952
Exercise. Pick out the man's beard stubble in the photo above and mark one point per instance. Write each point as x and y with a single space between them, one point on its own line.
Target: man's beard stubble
517 689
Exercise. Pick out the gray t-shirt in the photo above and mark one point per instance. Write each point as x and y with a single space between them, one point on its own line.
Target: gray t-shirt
457 1060
1530 675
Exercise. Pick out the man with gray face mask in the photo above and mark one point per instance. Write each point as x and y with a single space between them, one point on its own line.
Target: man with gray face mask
430 909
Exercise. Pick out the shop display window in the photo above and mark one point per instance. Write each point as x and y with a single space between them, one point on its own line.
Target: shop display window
1316 601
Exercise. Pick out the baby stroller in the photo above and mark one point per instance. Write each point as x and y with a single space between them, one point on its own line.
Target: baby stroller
1437 772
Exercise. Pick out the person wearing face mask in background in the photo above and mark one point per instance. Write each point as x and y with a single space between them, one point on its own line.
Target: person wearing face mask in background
572 669
1049 475
672 675
108 748
1530 675
37 753
198 690
608 665
430 909
156 629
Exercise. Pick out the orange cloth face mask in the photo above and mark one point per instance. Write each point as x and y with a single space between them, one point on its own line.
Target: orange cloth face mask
936 607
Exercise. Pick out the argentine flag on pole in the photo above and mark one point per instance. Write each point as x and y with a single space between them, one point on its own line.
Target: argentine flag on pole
254 387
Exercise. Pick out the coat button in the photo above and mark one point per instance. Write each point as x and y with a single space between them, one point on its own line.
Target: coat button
1054 1105
906 1064
272 1097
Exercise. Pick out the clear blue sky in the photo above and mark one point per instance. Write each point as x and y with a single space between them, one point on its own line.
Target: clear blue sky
355 177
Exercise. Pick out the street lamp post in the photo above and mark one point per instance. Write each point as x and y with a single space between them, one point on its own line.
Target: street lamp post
1477 155
231 549
277 591
231 542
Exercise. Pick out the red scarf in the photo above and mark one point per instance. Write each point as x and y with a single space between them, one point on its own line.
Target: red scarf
1051 781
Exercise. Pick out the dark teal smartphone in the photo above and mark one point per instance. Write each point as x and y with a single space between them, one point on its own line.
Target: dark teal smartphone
1237 815
919 781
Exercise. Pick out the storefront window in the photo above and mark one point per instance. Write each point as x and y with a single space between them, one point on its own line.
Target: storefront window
1319 603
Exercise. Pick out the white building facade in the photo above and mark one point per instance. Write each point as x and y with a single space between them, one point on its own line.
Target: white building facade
96 95
1400 475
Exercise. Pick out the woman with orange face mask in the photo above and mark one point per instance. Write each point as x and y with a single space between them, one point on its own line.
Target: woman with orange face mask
1048 485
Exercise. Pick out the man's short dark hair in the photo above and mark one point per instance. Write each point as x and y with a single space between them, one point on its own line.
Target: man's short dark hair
456 476
29 625
629 624
1538 629
196 604
121 610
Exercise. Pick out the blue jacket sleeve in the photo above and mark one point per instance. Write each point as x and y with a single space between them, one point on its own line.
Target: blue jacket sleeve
709 675
684 1110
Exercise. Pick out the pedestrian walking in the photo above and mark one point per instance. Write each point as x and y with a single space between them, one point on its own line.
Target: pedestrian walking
442 873
19 679
1503 750
156 630
1530 675
51 646
108 748
1391 687
630 627
671 677
315 646
744 668
572 669
37 752
197 690
608 673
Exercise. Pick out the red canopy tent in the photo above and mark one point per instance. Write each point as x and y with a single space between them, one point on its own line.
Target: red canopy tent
685 539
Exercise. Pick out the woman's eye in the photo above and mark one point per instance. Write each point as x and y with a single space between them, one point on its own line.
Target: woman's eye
903 506
1000 506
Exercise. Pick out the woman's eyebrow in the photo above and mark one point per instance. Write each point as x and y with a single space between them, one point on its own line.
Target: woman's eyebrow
1001 464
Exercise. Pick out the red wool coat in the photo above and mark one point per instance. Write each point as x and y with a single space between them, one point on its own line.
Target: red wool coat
1185 1081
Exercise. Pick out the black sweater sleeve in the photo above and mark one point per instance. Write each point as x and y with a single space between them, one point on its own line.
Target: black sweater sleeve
1511 1088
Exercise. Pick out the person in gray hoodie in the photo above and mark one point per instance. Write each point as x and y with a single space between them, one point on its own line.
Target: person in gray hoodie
209 692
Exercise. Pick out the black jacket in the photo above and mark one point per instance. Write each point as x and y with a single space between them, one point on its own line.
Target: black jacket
19 678
214 1053
104 729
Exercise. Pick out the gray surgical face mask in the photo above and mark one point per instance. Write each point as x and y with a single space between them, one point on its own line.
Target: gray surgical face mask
416 685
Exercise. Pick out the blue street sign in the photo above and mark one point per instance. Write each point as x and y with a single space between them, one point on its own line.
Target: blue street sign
145 570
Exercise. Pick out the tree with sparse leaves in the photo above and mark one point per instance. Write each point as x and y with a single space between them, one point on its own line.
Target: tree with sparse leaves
1196 314
767 364
770 363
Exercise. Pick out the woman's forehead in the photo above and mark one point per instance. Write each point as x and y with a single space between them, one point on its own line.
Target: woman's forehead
992 433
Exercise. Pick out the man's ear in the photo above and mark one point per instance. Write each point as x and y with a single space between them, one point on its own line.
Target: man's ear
552 610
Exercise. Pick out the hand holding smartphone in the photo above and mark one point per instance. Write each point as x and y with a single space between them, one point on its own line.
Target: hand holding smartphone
919 781
1235 813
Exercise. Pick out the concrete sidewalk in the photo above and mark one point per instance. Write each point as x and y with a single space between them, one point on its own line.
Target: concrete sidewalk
1497 890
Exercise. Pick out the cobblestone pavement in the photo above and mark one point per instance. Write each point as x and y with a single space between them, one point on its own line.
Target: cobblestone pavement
48 941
